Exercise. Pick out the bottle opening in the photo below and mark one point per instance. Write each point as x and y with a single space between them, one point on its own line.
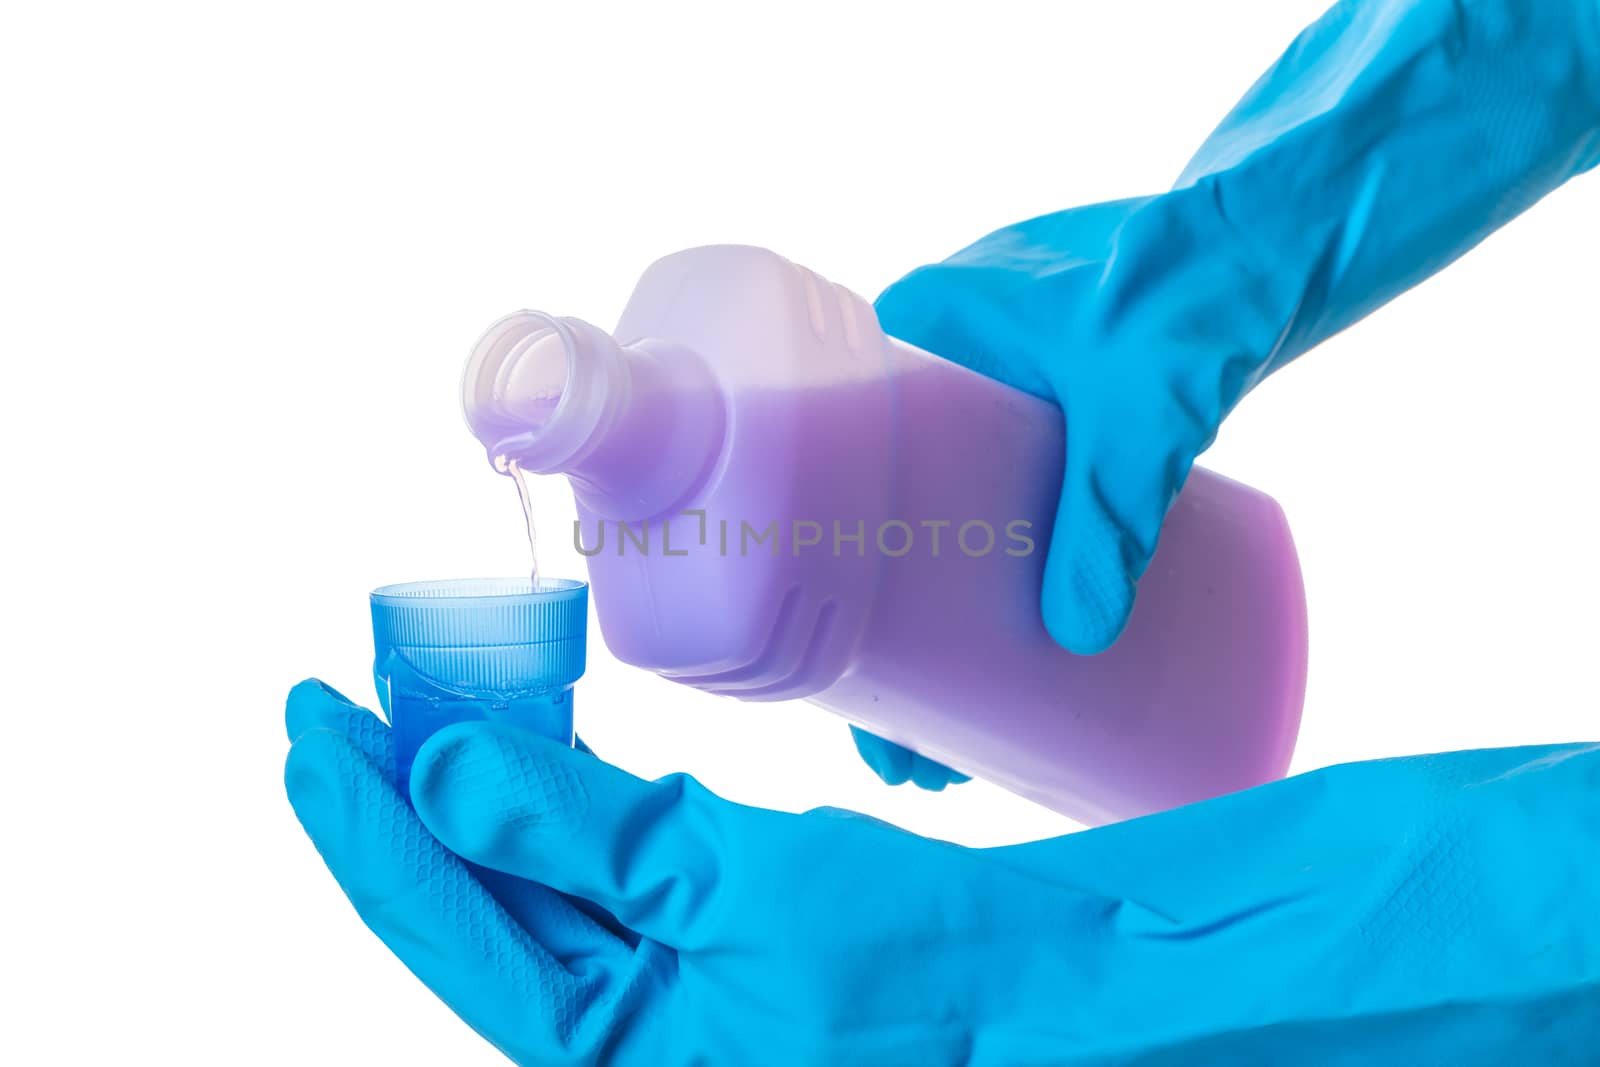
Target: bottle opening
534 375
518 373
538 388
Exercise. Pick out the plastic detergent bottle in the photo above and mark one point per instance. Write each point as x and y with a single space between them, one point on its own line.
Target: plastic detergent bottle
779 501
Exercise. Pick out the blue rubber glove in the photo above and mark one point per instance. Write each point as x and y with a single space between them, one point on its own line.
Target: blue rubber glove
896 764
1439 909
1391 137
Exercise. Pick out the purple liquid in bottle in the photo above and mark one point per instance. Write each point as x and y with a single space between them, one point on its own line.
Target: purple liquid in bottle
781 502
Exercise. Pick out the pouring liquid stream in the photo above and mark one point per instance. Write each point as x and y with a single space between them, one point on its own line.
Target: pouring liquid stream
506 465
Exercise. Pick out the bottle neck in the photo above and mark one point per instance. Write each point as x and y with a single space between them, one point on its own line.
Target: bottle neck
635 427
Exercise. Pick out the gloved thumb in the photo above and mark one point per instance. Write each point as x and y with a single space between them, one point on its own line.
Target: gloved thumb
1116 492
511 800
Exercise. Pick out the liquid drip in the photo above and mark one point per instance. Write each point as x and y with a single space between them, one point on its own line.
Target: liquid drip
506 465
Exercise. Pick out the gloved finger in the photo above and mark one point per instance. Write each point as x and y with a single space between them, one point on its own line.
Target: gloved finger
932 775
888 761
315 705
1090 571
493 878
424 904
647 852
896 764
1113 501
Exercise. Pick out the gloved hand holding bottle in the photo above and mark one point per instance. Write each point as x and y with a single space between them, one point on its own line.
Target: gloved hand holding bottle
1391 137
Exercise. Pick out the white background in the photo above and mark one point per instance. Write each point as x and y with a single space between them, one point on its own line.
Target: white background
244 252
